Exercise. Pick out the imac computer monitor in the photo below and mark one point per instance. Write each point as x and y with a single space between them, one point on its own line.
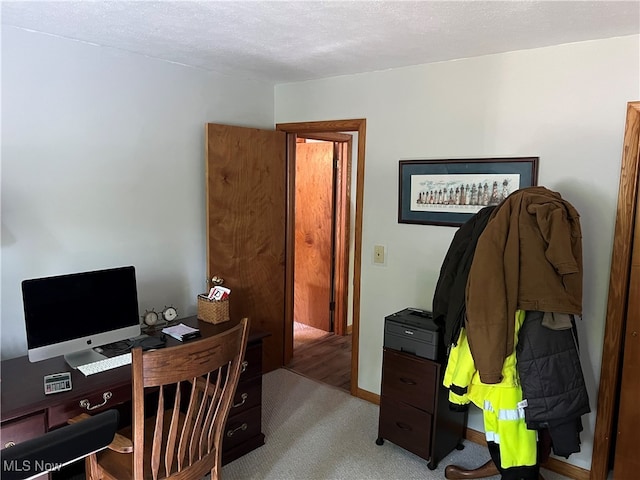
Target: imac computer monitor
71 314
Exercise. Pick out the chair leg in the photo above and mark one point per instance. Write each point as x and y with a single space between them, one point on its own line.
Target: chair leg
455 472
92 471
214 473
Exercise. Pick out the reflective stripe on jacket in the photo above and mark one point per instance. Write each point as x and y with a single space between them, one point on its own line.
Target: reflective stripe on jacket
500 403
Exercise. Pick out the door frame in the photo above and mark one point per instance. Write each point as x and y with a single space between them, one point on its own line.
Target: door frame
343 147
626 216
320 127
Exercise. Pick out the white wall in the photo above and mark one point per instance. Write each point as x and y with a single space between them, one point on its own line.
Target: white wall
103 165
565 104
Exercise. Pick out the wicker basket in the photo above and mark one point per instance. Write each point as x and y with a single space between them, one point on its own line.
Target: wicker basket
213 311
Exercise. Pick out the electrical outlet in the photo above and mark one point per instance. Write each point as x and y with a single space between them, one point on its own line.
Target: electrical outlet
379 254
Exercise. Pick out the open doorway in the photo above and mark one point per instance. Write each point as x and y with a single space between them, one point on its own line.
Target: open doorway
321 337
347 251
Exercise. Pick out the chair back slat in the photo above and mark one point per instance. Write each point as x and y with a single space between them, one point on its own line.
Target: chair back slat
198 419
185 434
204 443
157 436
137 421
202 377
173 431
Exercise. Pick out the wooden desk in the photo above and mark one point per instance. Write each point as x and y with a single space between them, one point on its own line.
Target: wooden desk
27 412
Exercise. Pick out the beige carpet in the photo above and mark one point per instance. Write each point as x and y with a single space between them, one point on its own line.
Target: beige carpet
317 432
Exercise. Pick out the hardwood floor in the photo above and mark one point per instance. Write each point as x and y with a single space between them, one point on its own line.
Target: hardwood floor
325 357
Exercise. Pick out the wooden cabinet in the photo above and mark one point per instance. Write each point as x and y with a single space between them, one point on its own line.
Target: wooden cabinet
244 425
414 410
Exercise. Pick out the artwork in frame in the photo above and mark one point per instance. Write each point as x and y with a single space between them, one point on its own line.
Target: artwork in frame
450 192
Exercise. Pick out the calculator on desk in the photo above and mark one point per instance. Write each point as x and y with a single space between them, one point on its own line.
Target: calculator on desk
57 382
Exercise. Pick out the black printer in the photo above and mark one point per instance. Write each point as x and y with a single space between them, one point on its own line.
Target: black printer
412 330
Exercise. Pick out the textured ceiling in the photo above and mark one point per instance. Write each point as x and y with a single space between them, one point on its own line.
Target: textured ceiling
280 41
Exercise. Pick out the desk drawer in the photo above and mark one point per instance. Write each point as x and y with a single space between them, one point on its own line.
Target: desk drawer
253 361
26 428
406 426
409 379
242 427
248 395
97 402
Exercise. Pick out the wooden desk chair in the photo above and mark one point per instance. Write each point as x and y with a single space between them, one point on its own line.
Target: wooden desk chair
178 443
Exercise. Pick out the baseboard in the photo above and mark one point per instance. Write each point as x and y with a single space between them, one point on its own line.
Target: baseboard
368 396
553 464
349 329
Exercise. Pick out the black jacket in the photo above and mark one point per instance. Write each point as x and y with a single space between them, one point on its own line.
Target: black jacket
449 297
552 382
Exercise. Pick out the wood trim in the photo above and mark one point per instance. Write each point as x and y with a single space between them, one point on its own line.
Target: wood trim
358 125
341 247
567 469
357 260
289 243
475 436
205 283
302 128
327 136
618 295
368 396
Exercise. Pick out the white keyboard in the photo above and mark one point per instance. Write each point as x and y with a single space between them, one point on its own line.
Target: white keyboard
106 364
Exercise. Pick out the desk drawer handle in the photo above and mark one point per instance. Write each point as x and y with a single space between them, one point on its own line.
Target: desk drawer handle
244 397
241 427
86 404
9 444
245 364
407 381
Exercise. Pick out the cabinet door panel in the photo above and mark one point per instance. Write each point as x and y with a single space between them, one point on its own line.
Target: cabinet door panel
241 427
16 431
410 379
253 362
60 413
248 395
406 426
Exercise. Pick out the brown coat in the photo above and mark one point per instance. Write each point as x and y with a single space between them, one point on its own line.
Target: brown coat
529 257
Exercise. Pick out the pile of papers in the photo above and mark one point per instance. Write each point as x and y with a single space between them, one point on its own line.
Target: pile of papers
181 332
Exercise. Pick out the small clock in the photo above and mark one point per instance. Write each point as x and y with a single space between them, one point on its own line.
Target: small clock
150 318
169 313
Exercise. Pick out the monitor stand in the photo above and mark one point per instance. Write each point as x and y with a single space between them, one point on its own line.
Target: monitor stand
74 360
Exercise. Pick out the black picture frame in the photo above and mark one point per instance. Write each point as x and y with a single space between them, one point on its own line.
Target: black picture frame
422 183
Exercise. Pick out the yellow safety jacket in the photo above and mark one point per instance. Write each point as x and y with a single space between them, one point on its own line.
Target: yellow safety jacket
501 403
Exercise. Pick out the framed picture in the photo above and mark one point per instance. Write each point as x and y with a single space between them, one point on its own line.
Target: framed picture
449 192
